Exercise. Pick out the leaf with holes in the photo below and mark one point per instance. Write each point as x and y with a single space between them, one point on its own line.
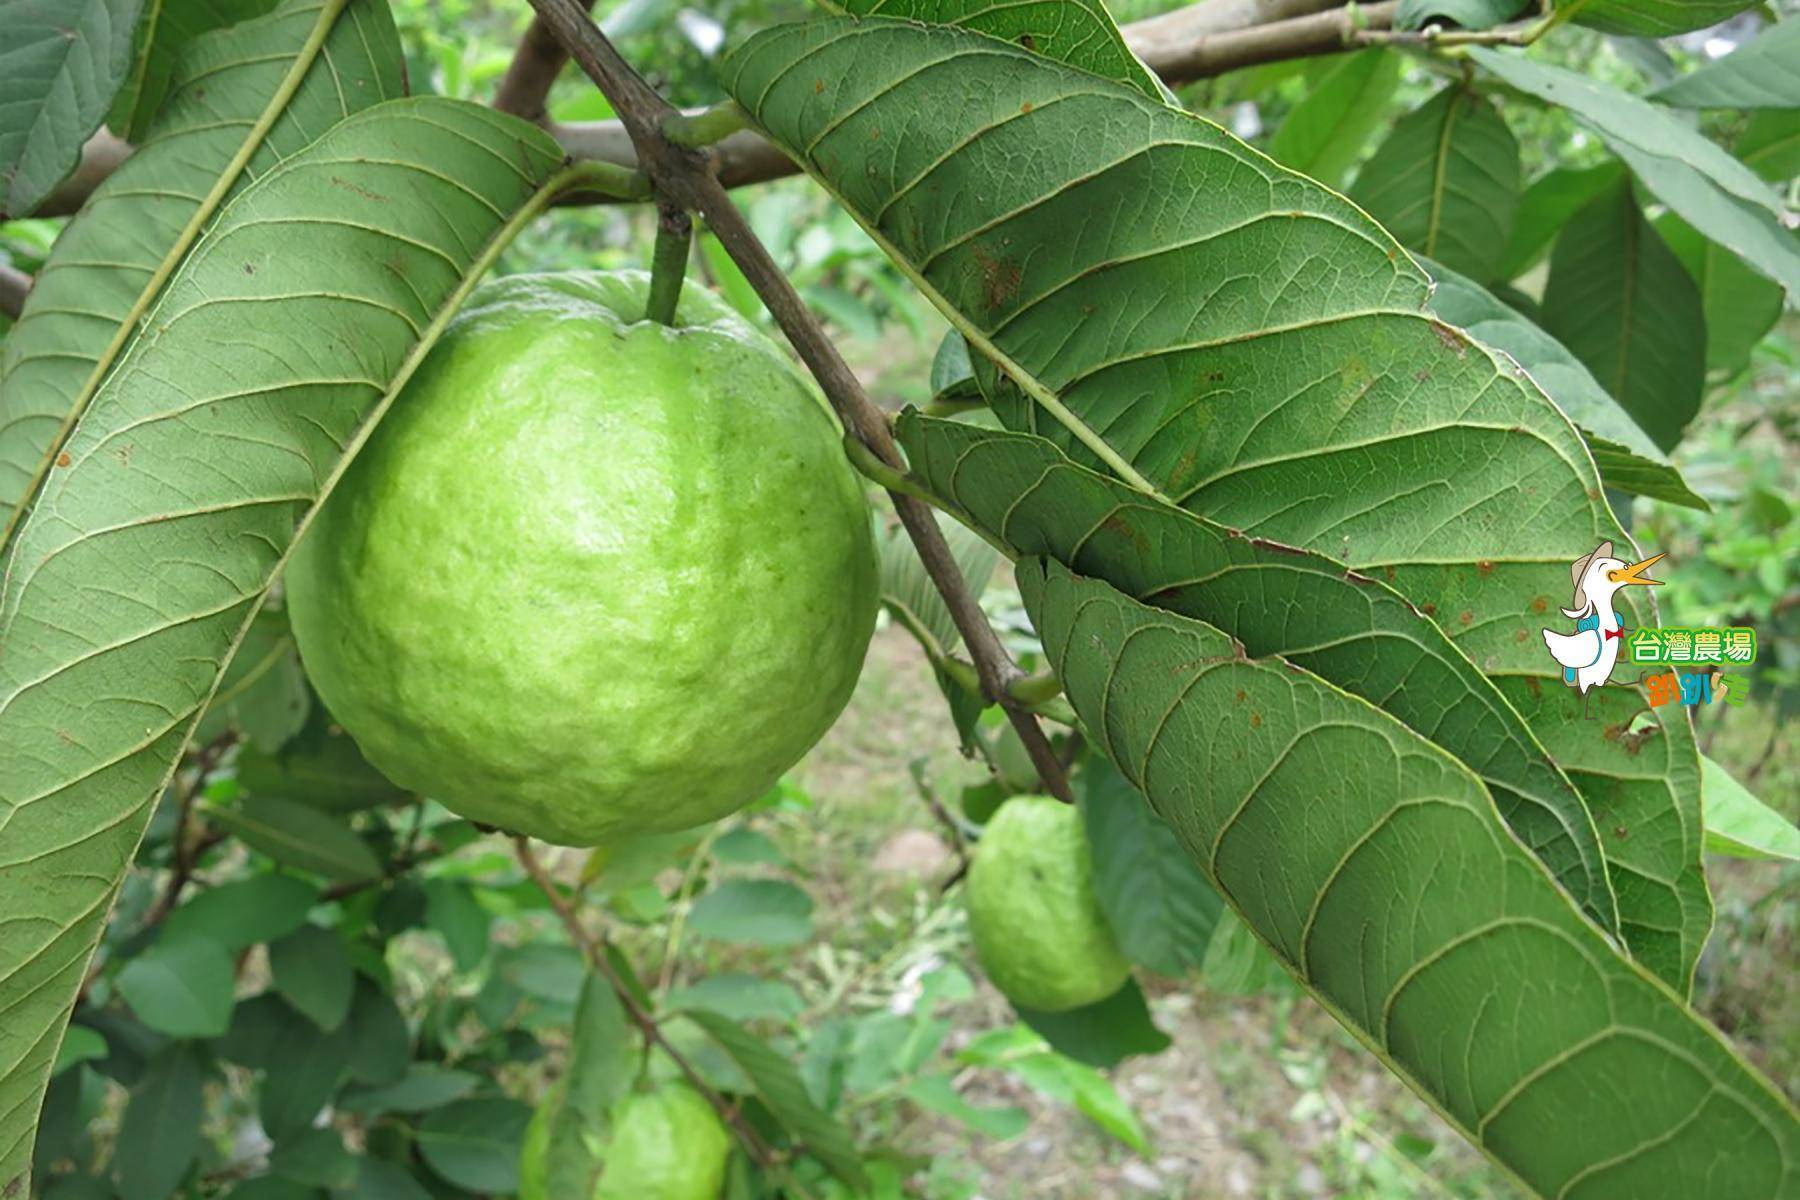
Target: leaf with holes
186 481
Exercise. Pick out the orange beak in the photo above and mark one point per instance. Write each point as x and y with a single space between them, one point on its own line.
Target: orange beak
1634 573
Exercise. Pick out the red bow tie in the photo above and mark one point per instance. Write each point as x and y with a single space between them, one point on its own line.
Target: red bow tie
1613 633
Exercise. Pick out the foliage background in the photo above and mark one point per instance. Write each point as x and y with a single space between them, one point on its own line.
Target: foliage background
820 916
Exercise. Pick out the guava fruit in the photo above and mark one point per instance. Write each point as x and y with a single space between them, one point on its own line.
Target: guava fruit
592 575
663 1144
1033 912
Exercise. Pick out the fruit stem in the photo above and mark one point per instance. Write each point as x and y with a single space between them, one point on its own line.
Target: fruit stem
668 262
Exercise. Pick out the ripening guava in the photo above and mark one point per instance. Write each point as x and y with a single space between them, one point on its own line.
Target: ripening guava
592 575
664 1144
1033 912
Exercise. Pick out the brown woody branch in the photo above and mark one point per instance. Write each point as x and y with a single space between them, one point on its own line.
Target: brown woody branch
14 286
535 65
594 948
684 177
1196 42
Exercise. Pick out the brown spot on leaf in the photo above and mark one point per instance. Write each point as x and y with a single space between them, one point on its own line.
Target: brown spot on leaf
1484 568
249 270
1027 41
365 193
1256 720
1540 604
999 278
1620 832
1521 636
1451 337
14 1186
63 459
1025 107
1465 616
818 87
1429 610
1242 695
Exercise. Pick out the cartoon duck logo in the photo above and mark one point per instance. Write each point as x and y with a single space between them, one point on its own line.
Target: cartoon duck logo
1589 654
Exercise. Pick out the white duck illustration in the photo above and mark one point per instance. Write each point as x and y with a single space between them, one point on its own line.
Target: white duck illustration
1589 654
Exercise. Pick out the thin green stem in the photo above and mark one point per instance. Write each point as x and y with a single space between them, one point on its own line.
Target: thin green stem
698 130
668 264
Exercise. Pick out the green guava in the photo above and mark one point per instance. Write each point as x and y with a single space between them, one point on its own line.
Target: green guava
1033 912
592 575
664 1144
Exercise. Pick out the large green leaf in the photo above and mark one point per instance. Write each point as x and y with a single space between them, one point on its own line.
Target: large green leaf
1275 600
1623 304
1740 825
226 102
1548 204
1740 306
61 61
1446 182
1764 73
1651 18
1078 32
126 589
1717 194
1407 907
1323 135
779 1086
1627 458
1172 307
166 31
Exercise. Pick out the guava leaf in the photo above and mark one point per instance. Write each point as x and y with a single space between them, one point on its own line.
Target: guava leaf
1446 182
1716 193
1161 908
1740 305
1353 631
1078 32
1623 304
61 61
1406 906
1627 458
1762 73
1651 18
1464 14
109 265
1324 133
167 29
1740 825
1170 307
779 1086
129 585
1546 207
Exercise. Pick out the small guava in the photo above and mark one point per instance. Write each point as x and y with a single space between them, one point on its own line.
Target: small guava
662 1144
592 575
1033 912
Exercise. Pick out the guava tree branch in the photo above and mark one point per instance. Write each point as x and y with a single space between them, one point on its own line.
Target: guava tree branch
594 948
1196 42
534 68
14 284
684 177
